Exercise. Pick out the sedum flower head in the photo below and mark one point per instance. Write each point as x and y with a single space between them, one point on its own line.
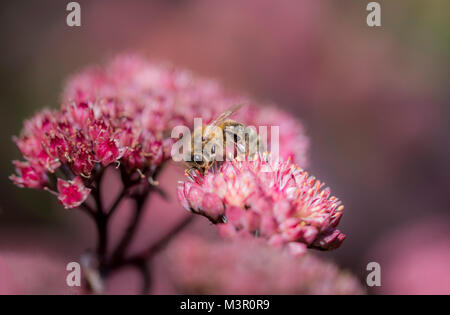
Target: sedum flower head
83 138
269 199
123 114
209 267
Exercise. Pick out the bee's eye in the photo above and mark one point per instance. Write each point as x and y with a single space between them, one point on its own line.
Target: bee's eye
197 157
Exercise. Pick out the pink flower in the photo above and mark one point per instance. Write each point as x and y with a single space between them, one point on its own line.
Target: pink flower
82 162
87 85
81 113
72 193
197 266
107 151
58 146
28 176
123 114
267 198
98 129
175 96
35 135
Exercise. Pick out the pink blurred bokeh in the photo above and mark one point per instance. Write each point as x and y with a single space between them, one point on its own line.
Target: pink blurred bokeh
414 258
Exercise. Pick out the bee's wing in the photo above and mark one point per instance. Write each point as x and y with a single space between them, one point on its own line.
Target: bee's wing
219 120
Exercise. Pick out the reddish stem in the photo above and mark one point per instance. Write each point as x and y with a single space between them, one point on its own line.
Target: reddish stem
117 260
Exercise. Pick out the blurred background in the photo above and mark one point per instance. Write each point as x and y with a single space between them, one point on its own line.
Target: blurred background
375 103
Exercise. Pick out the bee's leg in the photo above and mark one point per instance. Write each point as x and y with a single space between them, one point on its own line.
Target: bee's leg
235 130
189 173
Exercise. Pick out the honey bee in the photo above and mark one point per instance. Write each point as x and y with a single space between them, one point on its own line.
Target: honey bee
212 139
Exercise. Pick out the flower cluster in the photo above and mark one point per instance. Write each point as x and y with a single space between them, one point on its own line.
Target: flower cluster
267 198
209 267
175 96
123 114
80 140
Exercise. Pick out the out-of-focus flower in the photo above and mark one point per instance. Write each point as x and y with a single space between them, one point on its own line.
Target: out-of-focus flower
197 266
160 95
28 176
7 285
292 142
266 198
414 259
72 193
33 273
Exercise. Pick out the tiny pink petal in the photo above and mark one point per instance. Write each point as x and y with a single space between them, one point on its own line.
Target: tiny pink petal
72 193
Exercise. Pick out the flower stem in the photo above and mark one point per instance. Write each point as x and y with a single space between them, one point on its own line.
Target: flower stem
102 224
120 250
148 253
102 216
116 202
